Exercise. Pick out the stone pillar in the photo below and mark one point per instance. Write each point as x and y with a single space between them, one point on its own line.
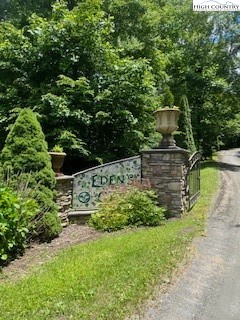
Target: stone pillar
64 196
165 170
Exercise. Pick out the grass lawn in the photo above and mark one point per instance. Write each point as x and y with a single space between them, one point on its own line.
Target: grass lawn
110 277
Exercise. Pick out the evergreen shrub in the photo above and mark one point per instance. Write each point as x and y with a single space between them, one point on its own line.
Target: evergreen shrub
26 152
127 206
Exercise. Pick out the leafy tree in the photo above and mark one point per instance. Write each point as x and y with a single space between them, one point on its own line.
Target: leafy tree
93 102
18 11
197 53
136 33
95 70
203 68
26 151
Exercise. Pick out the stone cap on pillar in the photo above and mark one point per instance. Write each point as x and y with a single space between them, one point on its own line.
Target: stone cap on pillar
64 177
166 150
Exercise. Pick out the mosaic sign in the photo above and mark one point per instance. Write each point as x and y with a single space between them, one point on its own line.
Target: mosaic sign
88 185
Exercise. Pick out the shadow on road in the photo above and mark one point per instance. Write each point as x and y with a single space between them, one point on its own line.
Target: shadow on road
223 166
227 166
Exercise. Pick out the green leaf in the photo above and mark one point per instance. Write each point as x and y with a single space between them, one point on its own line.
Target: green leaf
4 257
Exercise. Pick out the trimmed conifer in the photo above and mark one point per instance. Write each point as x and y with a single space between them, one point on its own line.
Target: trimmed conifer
26 153
187 124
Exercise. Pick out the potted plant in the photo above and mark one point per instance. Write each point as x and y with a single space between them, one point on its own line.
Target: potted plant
167 123
57 156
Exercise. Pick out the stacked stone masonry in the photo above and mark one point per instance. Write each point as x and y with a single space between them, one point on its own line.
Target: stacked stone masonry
165 170
64 196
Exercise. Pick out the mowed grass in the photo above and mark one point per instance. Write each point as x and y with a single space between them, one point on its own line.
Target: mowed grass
110 277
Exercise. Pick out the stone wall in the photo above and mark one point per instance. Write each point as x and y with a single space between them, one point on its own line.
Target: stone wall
64 196
165 170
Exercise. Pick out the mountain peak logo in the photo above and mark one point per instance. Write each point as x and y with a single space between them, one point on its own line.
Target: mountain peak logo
216 5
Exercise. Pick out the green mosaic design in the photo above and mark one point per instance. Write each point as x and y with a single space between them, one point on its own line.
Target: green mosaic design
88 185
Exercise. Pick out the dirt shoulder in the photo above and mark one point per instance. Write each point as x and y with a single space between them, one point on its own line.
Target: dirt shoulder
38 254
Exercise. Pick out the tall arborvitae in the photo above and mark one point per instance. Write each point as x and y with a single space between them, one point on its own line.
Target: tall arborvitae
167 98
189 139
26 153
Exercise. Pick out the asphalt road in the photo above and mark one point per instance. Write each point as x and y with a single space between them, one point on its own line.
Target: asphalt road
209 289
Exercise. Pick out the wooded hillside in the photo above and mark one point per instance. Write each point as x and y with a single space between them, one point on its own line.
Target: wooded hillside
95 70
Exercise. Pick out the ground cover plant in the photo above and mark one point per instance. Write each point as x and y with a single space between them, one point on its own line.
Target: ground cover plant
108 278
26 153
127 206
16 214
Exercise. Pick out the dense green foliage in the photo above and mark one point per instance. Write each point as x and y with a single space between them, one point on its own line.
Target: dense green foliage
26 152
197 52
127 206
92 102
95 71
16 214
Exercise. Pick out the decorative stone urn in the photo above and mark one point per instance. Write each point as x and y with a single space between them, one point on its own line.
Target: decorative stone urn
167 123
57 161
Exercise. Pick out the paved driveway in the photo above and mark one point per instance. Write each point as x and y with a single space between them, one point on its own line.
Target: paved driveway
209 289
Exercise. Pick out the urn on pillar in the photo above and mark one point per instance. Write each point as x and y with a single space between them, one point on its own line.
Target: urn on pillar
57 156
167 123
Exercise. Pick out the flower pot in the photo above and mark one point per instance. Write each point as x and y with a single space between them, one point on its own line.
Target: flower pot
57 161
167 123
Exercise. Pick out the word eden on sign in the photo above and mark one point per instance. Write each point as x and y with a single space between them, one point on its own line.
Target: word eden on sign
89 185
218 5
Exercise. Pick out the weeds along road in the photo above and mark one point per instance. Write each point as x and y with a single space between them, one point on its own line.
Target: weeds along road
209 289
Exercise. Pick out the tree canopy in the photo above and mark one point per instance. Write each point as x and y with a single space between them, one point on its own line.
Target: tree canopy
94 72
